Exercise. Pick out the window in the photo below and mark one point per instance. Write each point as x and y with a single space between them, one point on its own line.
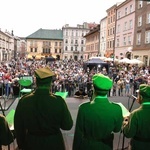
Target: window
110 31
113 30
31 50
148 18
124 41
138 39
119 14
76 32
130 24
66 48
140 4
108 20
129 40
147 37
111 19
35 50
131 8
126 10
76 41
71 41
108 44
66 33
139 21
118 28
81 49
125 26
59 50
117 42
82 42
75 48
71 48
55 43
55 50
114 18
66 41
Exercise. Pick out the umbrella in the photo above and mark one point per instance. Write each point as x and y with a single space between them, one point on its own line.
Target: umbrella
124 60
136 61
108 59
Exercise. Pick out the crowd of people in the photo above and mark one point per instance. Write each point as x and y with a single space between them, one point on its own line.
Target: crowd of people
71 76
41 115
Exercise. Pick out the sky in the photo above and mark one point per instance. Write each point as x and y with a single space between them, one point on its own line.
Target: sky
25 17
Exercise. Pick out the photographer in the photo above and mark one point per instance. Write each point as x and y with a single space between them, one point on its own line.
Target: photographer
137 124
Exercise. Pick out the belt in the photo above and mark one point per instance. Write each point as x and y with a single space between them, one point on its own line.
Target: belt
141 139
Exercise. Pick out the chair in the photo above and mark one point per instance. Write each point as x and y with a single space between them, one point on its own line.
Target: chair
25 86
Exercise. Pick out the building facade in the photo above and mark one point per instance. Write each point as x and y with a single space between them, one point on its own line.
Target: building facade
103 36
92 43
124 29
6 46
141 46
44 43
111 23
74 41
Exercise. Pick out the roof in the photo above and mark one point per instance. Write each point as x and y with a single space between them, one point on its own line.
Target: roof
46 34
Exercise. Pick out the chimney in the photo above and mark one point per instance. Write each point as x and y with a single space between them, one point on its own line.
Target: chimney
12 33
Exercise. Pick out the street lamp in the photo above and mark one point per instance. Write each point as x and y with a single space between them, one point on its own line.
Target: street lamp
98 68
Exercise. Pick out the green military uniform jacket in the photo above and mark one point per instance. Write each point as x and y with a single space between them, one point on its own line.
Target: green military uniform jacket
6 136
138 128
38 121
95 123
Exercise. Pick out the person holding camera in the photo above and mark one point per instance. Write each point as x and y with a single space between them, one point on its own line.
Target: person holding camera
137 125
97 119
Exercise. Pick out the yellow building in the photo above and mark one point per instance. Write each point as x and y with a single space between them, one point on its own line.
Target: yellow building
44 43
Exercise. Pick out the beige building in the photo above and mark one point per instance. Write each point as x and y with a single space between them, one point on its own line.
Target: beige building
6 46
44 43
92 43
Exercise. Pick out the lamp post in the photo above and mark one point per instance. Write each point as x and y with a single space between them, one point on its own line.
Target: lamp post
98 68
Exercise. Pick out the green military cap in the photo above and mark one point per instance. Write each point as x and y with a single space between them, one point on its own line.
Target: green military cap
43 73
102 82
144 90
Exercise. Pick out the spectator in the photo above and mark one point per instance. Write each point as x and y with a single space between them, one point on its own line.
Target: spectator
80 94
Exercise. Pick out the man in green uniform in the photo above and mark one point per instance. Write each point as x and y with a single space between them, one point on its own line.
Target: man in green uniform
6 136
98 119
41 115
137 125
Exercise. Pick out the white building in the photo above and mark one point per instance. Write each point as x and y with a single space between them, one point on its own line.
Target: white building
74 41
6 46
103 36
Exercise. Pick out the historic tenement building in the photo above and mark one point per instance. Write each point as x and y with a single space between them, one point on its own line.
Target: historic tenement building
141 45
44 43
